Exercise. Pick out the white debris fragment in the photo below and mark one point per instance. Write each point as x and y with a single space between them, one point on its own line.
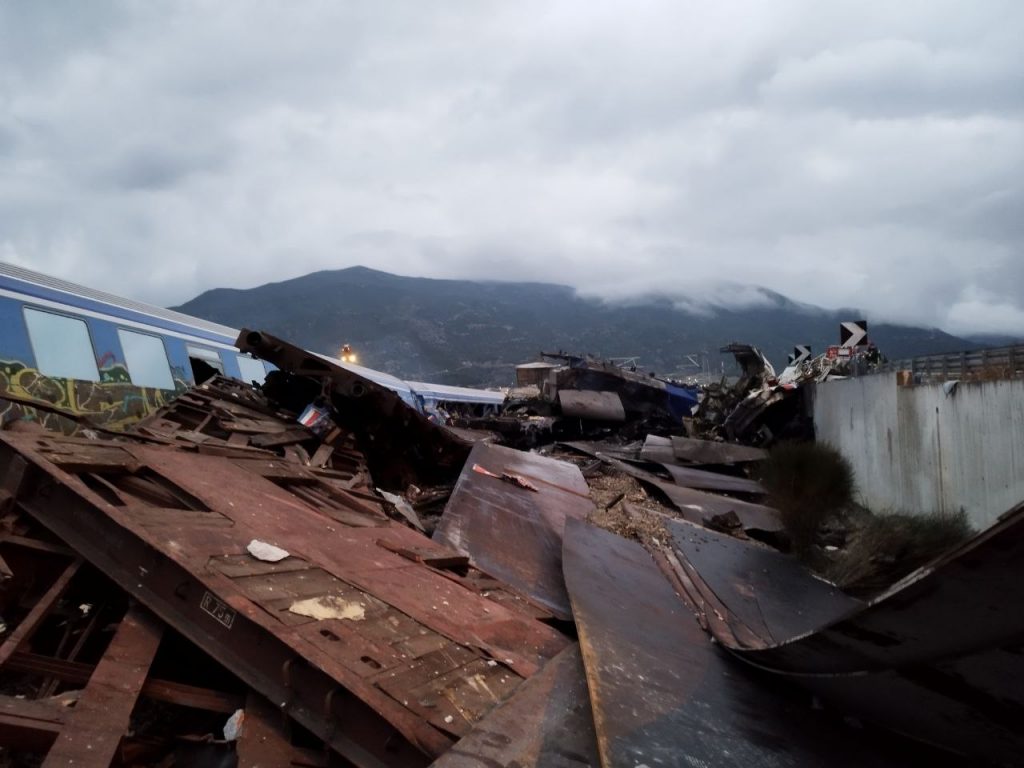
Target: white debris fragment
233 726
328 607
268 553
449 719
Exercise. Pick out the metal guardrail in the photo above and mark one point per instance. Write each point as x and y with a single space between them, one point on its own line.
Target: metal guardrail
997 362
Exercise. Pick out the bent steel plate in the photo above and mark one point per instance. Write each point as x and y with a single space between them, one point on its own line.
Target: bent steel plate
696 451
962 603
662 694
547 723
775 596
512 532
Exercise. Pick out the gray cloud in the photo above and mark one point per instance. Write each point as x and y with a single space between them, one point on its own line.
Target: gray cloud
849 153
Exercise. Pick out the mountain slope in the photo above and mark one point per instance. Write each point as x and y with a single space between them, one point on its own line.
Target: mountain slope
473 333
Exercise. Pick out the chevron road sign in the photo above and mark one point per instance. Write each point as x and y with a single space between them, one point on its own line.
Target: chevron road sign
853 333
801 352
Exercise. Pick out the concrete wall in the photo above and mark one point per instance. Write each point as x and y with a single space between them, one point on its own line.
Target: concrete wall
915 449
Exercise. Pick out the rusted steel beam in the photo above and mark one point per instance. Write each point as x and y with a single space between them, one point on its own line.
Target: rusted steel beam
94 728
78 673
263 741
514 532
29 725
39 611
36 544
379 656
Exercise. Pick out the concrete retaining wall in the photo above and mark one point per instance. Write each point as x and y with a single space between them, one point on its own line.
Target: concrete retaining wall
917 449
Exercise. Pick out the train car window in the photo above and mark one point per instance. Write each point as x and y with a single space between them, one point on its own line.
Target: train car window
252 369
62 345
205 363
146 359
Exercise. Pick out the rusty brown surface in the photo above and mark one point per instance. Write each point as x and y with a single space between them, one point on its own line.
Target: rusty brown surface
694 451
172 528
547 723
30 725
512 532
586 404
662 694
94 728
263 740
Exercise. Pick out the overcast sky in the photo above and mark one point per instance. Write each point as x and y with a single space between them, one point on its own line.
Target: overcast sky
842 153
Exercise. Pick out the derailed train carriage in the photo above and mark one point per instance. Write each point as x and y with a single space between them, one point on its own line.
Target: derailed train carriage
114 360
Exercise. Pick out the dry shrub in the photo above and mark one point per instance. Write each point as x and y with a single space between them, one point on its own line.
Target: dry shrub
808 483
884 548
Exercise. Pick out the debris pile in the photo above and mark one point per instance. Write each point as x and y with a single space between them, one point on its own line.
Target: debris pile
587 397
315 574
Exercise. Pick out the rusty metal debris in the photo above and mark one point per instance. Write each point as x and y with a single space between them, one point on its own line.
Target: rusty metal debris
312 573
515 532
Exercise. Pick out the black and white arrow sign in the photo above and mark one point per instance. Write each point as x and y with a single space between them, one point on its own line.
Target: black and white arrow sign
853 333
801 352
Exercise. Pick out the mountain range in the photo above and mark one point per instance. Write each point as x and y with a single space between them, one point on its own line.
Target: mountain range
473 333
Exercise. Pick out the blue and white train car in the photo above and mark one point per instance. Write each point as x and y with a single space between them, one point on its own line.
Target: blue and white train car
115 360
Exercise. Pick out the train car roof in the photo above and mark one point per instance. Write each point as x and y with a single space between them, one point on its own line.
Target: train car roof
377 377
54 289
430 391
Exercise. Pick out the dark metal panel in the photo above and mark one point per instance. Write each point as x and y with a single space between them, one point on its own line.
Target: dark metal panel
663 694
688 477
955 606
547 723
512 532
898 661
586 404
772 593
696 451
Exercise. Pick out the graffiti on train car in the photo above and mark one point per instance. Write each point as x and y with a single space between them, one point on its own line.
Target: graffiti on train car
113 402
